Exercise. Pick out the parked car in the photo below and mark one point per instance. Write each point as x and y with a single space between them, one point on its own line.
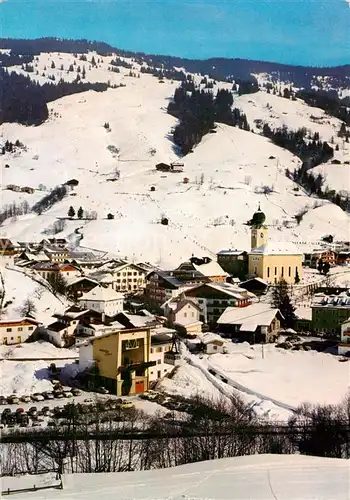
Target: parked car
25 399
102 390
32 410
51 423
48 395
59 395
20 410
67 394
3 400
13 400
76 392
126 405
37 397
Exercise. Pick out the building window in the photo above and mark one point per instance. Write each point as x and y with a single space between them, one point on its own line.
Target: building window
159 349
151 352
30 328
159 361
11 338
255 270
289 271
9 329
275 271
268 272
20 329
159 374
282 271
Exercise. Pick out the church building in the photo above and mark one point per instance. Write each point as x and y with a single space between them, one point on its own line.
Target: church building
272 261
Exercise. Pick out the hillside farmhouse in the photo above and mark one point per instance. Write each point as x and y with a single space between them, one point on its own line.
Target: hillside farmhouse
46 269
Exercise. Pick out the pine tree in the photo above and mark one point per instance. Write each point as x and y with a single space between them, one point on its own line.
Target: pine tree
297 277
80 213
71 212
53 65
281 300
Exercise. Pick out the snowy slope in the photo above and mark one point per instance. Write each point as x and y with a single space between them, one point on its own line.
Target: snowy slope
258 477
226 173
19 287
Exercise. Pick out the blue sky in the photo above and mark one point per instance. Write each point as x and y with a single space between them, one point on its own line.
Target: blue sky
308 32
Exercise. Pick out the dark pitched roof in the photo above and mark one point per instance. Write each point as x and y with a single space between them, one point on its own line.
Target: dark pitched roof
57 326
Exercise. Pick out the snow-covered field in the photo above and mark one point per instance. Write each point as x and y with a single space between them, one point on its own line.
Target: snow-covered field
272 380
258 477
225 172
36 351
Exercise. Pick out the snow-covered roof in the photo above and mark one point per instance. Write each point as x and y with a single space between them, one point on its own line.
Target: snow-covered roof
260 280
211 268
249 317
231 252
73 280
228 288
139 321
277 248
209 337
101 294
187 322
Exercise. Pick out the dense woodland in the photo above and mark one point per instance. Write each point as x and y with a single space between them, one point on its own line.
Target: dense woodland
198 109
25 101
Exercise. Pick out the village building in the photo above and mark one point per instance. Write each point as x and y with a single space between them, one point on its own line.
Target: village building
344 344
17 331
255 323
234 262
214 298
160 345
257 286
78 285
46 269
183 313
312 259
161 286
199 270
123 277
144 319
28 257
118 361
272 261
343 258
103 300
56 253
329 312
213 343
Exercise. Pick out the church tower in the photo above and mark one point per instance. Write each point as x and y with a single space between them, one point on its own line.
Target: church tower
258 232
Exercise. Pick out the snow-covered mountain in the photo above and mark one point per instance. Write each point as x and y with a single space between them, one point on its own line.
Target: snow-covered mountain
111 142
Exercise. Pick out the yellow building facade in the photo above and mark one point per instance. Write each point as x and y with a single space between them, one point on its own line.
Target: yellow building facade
272 261
122 360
